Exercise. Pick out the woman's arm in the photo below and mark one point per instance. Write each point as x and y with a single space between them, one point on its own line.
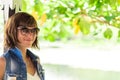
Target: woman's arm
2 67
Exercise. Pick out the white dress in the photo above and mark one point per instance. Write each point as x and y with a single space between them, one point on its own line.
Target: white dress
33 77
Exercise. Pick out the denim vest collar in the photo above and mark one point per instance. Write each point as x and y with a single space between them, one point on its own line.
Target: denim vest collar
15 66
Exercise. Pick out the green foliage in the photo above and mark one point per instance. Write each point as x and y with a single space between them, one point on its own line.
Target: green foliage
108 33
119 34
60 14
84 26
55 31
24 5
38 7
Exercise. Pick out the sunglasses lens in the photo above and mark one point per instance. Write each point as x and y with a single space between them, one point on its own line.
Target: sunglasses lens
28 31
25 31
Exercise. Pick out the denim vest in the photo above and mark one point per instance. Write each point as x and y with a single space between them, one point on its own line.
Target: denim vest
15 66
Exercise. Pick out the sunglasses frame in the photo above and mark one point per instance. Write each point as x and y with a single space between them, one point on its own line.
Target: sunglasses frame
24 30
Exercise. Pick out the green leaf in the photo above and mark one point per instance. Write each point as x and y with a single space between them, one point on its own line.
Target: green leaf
84 26
109 18
38 7
108 33
24 5
92 1
50 37
119 34
61 9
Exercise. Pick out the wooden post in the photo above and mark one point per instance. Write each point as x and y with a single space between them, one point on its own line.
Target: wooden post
9 8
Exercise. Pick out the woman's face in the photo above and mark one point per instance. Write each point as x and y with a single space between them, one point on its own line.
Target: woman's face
26 36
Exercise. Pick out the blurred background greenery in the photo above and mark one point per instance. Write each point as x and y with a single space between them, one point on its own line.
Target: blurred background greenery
64 19
81 24
63 72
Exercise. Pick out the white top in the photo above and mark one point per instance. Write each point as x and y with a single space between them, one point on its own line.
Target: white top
33 77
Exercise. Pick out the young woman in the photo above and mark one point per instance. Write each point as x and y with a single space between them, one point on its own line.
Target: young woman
18 62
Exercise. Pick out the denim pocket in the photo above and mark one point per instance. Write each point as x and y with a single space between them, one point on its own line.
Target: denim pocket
12 77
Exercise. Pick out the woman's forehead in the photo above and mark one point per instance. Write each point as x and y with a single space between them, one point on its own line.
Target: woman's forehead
27 25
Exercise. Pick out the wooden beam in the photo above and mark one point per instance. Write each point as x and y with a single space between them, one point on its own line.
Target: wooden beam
10 7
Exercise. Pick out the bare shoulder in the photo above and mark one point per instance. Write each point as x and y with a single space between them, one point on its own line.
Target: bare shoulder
2 67
2 61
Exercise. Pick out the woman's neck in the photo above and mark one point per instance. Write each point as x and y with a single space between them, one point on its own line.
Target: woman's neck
23 52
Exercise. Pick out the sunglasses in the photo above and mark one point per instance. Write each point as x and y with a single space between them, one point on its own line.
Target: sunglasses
25 30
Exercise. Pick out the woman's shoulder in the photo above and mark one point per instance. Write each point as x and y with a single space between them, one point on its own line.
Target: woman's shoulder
2 62
2 66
